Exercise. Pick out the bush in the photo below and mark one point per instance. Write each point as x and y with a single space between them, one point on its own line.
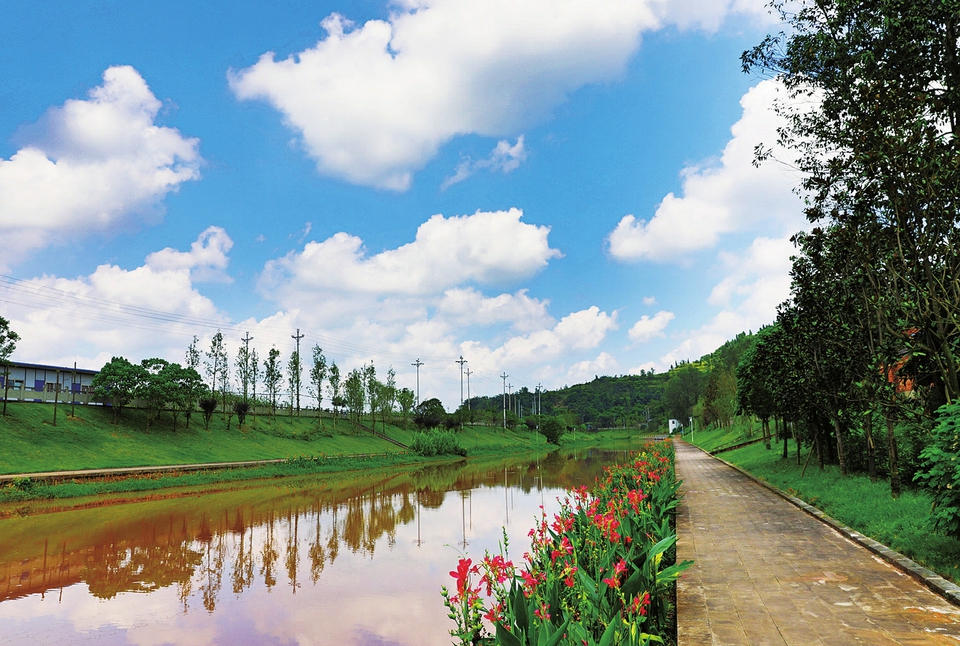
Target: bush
941 471
431 443
208 405
552 429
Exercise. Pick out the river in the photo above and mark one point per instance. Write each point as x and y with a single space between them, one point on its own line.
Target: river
347 559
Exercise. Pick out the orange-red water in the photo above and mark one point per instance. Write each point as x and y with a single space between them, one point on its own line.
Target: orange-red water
352 559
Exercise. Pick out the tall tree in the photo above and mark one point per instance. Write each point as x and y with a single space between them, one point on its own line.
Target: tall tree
192 357
355 391
405 399
244 367
295 379
333 384
254 378
217 366
8 343
877 146
272 376
318 373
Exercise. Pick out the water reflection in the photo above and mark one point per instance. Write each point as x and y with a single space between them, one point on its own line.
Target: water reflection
334 548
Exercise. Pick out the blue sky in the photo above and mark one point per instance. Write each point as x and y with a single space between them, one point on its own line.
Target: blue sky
553 189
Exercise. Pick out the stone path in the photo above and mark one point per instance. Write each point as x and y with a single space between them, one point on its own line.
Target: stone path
765 572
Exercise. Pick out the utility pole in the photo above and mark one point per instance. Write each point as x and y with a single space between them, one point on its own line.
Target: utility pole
298 336
504 377
246 355
469 372
418 363
510 396
461 361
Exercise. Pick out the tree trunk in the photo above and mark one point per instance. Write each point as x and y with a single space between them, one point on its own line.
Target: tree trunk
782 431
892 456
766 432
841 456
871 445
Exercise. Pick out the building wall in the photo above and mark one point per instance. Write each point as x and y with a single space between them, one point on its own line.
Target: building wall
35 382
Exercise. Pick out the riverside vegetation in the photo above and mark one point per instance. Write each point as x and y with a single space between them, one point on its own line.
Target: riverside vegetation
600 573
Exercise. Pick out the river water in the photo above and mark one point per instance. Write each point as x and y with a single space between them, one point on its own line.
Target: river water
350 559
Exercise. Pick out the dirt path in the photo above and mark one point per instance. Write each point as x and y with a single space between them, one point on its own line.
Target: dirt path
765 572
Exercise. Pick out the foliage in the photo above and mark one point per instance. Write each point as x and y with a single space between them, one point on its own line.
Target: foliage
318 373
551 428
118 380
244 364
600 573
682 390
217 364
209 406
241 408
295 379
8 343
405 400
355 393
429 414
432 442
272 376
941 471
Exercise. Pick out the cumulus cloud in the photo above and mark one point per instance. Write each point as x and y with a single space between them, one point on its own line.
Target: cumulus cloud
207 259
373 103
470 306
755 282
92 165
720 197
504 157
486 247
649 327
582 371
151 310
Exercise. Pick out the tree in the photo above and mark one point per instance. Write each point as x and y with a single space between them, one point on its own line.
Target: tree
216 361
192 358
254 378
682 391
355 394
187 388
372 386
272 375
295 379
8 343
336 399
318 373
551 428
118 381
429 414
877 147
244 370
156 388
405 399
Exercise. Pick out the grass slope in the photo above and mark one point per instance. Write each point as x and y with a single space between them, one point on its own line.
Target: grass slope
902 524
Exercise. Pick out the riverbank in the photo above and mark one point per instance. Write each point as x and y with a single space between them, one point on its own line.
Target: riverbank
29 443
899 523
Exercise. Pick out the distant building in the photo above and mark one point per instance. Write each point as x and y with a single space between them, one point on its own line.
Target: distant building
40 383
673 425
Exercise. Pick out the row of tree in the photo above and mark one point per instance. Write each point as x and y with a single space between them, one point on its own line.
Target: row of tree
871 332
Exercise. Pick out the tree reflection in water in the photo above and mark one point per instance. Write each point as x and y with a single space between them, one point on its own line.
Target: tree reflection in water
192 542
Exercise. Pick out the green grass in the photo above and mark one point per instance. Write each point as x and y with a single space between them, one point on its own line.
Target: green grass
711 439
902 524
29 443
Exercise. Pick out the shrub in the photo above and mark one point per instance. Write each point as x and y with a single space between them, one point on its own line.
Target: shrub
241 408
552 429
431 443
208 405
941 471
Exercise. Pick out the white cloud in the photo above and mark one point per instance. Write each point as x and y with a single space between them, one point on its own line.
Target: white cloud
206 260
469 306
756 281
723 196
486 247
647 328
583 371
649 300
503 157
151 310
92 166
373 103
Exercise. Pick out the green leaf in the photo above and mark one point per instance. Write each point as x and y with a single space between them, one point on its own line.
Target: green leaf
507 638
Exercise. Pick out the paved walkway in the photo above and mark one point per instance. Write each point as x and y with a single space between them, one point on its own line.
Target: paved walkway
765 572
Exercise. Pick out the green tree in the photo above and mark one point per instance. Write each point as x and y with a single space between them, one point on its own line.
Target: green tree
333 385
877 149
156 388
682 391
552 429
8 343
355 393
318 373
295 379
187 388
405 399
217 367
272 376
429 414
244 365
118 381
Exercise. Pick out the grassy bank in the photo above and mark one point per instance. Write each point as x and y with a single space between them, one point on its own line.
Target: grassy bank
902 524
29 443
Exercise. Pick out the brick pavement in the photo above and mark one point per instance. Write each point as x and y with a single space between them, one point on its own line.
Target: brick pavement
765 573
